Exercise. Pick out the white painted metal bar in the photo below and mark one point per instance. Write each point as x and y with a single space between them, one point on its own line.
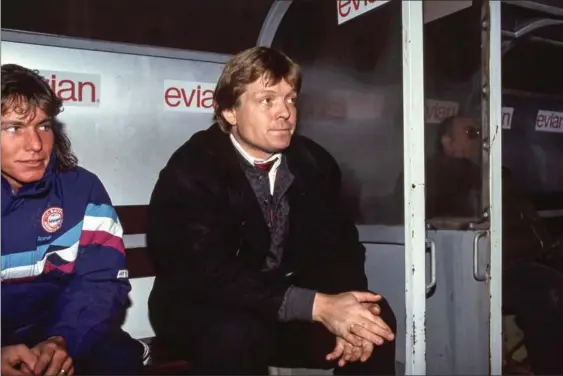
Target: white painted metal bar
495 187
28 37
413 151
272 22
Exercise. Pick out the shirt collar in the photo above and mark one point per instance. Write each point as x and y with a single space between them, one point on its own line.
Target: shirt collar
249 157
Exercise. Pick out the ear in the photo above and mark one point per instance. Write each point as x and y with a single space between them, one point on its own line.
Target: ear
230 115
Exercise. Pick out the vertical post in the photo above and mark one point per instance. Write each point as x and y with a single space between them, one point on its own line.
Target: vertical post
495 184
415 218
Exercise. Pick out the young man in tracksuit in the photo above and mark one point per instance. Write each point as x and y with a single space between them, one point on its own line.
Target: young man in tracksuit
64 278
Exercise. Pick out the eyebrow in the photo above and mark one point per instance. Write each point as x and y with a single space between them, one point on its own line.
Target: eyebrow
21 123
261 92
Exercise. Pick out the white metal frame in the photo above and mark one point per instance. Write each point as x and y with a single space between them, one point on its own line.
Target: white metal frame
495 187
272 22
414 183
18 36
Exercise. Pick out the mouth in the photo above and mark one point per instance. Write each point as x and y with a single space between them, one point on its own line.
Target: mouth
33 162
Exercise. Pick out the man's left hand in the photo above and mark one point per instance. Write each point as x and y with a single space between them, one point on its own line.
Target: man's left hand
53 358
349 353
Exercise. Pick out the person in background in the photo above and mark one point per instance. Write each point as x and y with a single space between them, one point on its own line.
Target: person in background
532 282
64 277
256 263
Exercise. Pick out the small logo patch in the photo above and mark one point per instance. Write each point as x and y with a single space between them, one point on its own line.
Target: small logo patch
52 219
124 273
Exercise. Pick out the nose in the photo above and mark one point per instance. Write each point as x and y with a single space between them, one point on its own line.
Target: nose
33 141
284 111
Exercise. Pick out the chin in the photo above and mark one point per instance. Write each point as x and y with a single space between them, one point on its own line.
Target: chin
279 147
31 177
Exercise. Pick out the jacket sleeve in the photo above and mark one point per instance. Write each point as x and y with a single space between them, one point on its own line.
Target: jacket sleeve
95 299
193 241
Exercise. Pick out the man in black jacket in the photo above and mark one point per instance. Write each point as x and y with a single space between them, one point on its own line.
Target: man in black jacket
256 264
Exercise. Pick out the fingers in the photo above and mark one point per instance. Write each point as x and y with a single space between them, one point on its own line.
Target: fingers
26 356
26 370
58 360
371 332
353 353
337 352
373 308
353 338
67 366
348 348
366 297
377 325
367 350
11 371
350 352
44 360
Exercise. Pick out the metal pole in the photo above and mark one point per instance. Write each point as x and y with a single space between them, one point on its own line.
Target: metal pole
495 185
413 151
272 22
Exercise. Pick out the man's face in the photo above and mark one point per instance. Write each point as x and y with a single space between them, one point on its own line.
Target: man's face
264 121
27 142
464 140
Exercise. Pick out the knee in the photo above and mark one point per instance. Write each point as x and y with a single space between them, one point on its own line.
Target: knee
237 336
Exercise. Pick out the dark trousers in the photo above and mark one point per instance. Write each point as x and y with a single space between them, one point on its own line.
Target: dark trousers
236 343
117 354
534 293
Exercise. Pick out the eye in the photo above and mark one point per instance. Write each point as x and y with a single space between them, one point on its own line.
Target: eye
292 100
12 129
45 127
266 100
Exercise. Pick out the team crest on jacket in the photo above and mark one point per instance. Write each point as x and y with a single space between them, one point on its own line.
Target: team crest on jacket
52 219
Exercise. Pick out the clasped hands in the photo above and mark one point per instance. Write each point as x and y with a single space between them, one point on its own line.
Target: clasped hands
354 317
48 358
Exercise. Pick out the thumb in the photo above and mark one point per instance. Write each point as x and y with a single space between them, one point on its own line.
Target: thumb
366 297
28 358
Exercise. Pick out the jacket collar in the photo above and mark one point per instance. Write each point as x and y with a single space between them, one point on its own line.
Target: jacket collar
36 188
223 152
226 159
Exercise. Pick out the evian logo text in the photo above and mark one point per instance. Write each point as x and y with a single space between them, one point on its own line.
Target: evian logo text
507 114
189 96
75 89
549 121
348 9
436 111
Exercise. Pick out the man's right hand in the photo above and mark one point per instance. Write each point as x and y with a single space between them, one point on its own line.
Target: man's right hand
345 316
16 358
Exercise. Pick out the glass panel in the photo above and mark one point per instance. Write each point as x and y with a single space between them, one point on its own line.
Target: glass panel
453 79
351 101
535 66
213 26
533 145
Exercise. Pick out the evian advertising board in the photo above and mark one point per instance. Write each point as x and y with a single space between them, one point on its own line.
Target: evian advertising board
507 114
437 110
190 96
348 9
75 89
549 121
